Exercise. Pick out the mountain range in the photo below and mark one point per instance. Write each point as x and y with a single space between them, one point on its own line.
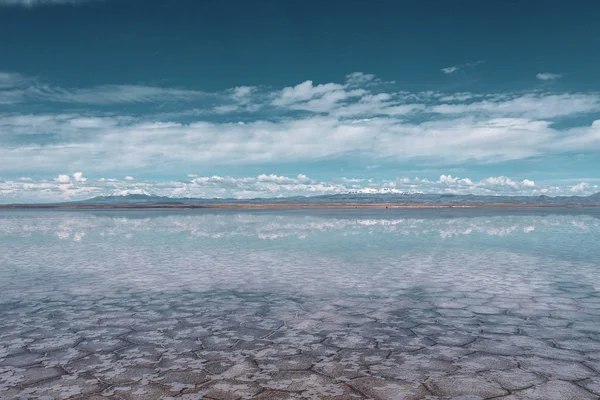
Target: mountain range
145 200
424 199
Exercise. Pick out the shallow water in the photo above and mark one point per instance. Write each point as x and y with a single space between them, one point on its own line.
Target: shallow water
307 304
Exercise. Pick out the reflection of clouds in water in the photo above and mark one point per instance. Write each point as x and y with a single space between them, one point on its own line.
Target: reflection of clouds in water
296 253
271 227
78 236
412 300
580 224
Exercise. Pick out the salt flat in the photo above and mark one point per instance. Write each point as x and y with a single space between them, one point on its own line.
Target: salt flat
306 304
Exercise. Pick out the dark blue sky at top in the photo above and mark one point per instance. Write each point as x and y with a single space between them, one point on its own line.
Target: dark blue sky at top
212 45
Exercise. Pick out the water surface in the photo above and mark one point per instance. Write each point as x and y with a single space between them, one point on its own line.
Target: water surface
307 304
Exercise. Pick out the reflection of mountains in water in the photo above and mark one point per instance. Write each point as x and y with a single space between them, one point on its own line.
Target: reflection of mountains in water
352 198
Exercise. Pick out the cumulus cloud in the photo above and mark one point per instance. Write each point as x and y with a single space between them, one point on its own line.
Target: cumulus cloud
528 183
486 186
581 187
548 76
321 98
451 181
303 178
63 179
495 185
242 92
129 178
305 91
79 177
273 185
307 122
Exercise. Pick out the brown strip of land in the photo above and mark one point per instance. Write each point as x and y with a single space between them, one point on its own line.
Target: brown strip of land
281 206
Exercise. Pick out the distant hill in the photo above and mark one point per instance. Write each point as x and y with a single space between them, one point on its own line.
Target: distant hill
595 196
145 200
353 198
129 199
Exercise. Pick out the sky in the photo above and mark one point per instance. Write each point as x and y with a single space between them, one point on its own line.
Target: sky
274 98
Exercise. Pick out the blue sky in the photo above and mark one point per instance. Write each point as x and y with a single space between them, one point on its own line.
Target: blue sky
270 98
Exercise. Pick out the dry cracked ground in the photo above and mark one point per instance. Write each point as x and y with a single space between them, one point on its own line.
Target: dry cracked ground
431 343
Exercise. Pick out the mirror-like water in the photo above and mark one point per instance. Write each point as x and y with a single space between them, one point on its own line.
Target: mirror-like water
312 304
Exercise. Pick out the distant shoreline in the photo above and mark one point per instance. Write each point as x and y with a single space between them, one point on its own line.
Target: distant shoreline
283 206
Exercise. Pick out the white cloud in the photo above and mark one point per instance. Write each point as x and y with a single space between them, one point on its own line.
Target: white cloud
587 137
272 178
141 145
12 87
548 76
110 94
110 142
495 185
580 187
359 79
340 120
449 180
450 70
352 180
500 181
456 68
303 178
458 97
356 98
17 88
242 92
79 177
322 98
530 105
273 185
528 183
10 80
129 178
63 179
